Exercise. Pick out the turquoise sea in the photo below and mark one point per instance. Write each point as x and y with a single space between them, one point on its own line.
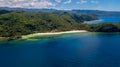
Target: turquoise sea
68 50
110 19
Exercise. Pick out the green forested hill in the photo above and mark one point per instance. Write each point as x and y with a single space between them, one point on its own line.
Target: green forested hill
14 24
4 11
103 27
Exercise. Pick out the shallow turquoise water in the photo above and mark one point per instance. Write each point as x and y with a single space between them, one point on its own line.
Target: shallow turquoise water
71 50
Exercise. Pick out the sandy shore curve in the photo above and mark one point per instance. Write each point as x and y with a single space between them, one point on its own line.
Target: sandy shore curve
51 33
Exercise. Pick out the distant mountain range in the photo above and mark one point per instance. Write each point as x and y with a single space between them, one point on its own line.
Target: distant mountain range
93 12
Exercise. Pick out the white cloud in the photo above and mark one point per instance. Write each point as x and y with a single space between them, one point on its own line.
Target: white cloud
99 8
67 2
58 1
94 1
82 2
26 3
87 1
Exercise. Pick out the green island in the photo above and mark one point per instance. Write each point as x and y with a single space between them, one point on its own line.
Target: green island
15 24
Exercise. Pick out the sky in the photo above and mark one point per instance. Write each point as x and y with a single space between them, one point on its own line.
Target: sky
108 5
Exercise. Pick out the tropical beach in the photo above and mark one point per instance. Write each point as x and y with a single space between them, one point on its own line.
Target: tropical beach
59 33
51 33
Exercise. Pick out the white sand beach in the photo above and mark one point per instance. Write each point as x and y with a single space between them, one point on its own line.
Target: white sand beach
51 33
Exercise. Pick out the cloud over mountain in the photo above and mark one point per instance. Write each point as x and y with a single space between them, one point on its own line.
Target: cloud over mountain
26 3
63 4
68 1
87 1
58 1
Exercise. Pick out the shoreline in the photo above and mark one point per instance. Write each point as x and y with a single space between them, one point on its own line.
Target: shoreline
51 33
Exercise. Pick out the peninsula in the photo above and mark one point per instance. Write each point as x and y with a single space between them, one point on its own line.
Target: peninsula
15 24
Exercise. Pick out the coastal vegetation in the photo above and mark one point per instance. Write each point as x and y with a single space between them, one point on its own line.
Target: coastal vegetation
103 27
14 24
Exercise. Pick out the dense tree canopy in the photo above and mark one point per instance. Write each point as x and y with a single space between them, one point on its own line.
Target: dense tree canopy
14 24
103 27
17 23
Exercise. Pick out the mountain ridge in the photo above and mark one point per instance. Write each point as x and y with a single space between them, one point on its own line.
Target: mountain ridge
76 11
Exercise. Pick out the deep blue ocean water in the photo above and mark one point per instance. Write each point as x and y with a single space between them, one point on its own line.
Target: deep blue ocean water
110 19
71 50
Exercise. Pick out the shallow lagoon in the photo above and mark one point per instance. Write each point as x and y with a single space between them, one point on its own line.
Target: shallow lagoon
68 50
